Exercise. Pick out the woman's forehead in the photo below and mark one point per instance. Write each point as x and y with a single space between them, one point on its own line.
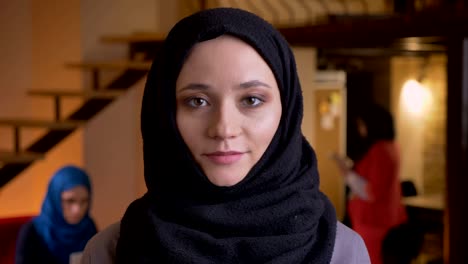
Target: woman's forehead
78 190
225 58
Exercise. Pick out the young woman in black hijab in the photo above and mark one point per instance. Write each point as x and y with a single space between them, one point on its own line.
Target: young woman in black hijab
230 177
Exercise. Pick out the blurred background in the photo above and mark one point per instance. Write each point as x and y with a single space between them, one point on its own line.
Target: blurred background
72 75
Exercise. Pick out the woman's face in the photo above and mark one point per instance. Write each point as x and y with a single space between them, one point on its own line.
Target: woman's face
228 108
75 204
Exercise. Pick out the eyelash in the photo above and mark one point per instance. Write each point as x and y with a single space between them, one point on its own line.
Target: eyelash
258 101
192 101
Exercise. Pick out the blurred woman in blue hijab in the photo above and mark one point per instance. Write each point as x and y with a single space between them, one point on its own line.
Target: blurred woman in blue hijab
64 225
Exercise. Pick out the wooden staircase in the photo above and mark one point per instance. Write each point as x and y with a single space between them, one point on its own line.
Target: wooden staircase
142 49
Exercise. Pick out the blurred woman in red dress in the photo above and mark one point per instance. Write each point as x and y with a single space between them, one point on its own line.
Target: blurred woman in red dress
374 204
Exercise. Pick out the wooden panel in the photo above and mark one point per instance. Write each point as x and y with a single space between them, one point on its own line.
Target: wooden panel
328 129
40 123
107 65
22 157
135 38
80 93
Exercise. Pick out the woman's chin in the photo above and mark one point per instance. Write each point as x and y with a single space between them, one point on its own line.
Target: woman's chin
225 179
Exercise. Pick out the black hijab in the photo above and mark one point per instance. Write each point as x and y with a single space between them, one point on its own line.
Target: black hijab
276 214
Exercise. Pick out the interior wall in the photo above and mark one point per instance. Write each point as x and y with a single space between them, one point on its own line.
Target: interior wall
114 17
409 129
323 141
15 65
41 36
113 157
169 12
306 67
45 35
421 136
435 132
25 193
112 144
329 129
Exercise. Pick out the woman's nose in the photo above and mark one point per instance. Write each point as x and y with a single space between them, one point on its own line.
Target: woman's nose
76 208
224 122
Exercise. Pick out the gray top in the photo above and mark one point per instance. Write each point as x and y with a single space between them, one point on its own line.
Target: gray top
349 247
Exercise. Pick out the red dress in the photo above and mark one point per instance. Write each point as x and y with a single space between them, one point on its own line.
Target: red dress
373 218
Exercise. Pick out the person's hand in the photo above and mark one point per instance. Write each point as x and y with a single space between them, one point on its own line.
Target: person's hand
342 163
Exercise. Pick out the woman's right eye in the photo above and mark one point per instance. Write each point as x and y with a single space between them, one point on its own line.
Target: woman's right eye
197 102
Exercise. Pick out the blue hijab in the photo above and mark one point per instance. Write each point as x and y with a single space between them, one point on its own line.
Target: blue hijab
62 238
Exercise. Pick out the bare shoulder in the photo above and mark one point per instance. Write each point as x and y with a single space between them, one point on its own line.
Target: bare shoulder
101 247
349 247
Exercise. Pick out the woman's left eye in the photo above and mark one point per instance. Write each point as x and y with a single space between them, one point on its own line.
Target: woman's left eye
252 101
196 102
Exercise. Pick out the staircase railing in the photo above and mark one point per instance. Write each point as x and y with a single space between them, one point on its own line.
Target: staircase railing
95 99
143 47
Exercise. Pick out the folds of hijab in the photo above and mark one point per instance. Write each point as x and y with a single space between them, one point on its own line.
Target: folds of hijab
62 238
275 215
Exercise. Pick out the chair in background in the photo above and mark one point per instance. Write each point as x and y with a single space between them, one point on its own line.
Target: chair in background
9 229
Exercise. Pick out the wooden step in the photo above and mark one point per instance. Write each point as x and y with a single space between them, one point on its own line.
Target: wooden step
20 157
135 38
66 125
111 65
100 94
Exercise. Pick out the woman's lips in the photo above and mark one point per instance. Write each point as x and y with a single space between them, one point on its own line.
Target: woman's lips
224 158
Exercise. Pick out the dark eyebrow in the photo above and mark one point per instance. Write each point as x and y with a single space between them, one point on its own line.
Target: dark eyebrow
201 87
254 83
